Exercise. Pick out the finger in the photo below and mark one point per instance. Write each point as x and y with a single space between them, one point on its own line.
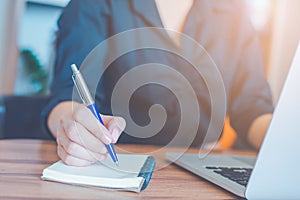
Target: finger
115 134
69 159
114 122
72 148
77 133
79 151
83 116
115 125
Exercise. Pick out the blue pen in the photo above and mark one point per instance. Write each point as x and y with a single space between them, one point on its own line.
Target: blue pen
87 99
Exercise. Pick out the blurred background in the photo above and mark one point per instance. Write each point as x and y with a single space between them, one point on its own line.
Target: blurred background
27 34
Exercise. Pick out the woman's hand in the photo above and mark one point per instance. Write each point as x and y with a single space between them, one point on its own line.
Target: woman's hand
80 137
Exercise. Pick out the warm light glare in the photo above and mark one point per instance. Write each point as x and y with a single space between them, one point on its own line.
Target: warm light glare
260 12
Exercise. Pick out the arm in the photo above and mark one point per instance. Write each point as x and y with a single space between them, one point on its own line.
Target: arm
258 130
251 101
80 137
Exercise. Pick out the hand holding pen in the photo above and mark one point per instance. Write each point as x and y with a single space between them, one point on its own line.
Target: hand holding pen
81 138
87 99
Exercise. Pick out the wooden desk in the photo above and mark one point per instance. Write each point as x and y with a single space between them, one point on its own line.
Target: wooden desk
22 161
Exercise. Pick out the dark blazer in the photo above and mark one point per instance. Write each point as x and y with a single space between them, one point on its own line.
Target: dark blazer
221 27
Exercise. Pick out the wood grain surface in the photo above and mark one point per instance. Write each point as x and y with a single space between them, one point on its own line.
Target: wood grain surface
22 162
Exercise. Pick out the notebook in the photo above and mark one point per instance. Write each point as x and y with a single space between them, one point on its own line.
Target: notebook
132 174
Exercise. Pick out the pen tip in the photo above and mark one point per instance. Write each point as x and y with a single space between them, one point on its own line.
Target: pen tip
117 163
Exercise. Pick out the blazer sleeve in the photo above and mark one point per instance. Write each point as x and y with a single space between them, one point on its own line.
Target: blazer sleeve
81 27
250 93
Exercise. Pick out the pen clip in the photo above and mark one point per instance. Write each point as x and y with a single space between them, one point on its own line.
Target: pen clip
78 89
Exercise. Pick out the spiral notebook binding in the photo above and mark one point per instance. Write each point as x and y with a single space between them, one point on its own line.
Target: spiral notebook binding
147 170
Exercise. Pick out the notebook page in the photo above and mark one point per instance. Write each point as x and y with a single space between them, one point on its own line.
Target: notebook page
104 174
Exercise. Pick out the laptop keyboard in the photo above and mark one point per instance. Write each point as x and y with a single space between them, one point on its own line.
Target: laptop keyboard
236 174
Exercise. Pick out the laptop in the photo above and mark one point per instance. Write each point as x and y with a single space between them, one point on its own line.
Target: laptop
275 172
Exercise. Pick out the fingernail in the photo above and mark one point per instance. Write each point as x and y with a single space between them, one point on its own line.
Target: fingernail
115 134
119 122
107 138
106 135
